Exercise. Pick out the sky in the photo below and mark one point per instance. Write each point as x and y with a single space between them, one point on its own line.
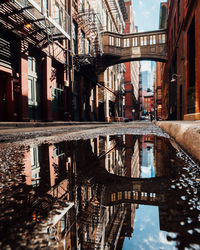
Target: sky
146 14
147 233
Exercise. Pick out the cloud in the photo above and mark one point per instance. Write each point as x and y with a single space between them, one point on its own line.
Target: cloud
146 171
141 3
163 239
146 66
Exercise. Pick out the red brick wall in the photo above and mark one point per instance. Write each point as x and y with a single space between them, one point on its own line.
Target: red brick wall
127 76
192 10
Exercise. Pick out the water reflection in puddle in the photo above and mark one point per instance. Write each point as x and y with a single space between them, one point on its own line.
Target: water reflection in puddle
113 192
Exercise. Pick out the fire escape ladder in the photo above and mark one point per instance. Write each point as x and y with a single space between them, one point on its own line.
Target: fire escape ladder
49 33
92 27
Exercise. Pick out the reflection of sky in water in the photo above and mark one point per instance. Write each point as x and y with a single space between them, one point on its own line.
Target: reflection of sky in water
147 167
147 234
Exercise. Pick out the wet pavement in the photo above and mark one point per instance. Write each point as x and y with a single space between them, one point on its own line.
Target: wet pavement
111 187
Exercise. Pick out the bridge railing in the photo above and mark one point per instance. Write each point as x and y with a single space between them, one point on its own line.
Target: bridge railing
135 46
134 197
135 39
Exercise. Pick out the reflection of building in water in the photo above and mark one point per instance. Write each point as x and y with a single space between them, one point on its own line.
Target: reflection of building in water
112 154
147 157
132 156
161 157
65 172
132 163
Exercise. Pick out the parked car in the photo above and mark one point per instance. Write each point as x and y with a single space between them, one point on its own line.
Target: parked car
145 117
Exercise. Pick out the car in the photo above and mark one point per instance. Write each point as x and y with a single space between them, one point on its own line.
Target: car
145 117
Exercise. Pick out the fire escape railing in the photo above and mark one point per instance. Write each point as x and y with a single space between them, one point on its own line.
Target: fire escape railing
92 26
33 22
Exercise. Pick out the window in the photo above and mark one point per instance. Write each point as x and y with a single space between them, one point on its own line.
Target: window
163 38
145 41
88 46
82 42
135 41
160 39
44 6
81 5
58 13
126 42
75 38
111 40
88 7
118 42
154 39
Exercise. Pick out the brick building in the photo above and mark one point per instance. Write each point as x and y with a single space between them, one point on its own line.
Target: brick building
192 59
183 29
149 102
131 76
111 82
159 70
34 60
86 27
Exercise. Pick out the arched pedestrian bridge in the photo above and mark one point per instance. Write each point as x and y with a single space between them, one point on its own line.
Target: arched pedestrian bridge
119 48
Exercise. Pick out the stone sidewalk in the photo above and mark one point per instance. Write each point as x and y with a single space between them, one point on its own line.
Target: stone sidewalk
185 133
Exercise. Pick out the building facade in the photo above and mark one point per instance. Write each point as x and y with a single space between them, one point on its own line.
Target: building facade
183 59
159 71
131 76
192 62
149 103
86 47
110 90
34 68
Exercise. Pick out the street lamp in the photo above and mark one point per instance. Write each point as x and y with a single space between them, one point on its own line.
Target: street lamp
174 77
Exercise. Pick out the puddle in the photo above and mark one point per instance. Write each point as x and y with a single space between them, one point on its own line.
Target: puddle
111 192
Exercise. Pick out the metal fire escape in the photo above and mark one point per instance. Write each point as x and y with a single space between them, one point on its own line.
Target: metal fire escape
33 23
89 21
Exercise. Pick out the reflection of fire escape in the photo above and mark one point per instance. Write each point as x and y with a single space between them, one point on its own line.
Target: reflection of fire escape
89 21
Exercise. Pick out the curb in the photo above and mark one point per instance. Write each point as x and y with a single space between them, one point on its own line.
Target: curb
187 135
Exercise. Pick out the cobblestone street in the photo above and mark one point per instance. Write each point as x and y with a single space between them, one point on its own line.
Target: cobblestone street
74 131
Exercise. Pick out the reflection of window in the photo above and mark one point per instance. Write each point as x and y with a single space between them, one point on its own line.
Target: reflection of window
63 223
35 166
34 158
57 151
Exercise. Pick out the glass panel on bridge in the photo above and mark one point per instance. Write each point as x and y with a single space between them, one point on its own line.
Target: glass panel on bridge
134 41
126 42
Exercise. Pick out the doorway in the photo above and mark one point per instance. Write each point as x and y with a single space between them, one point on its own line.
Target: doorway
5 97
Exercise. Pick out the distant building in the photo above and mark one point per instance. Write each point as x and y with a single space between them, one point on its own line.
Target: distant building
131 76
146 80
149 102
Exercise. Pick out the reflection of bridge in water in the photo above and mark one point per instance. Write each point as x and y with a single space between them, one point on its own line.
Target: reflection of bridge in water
119 189
147 191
